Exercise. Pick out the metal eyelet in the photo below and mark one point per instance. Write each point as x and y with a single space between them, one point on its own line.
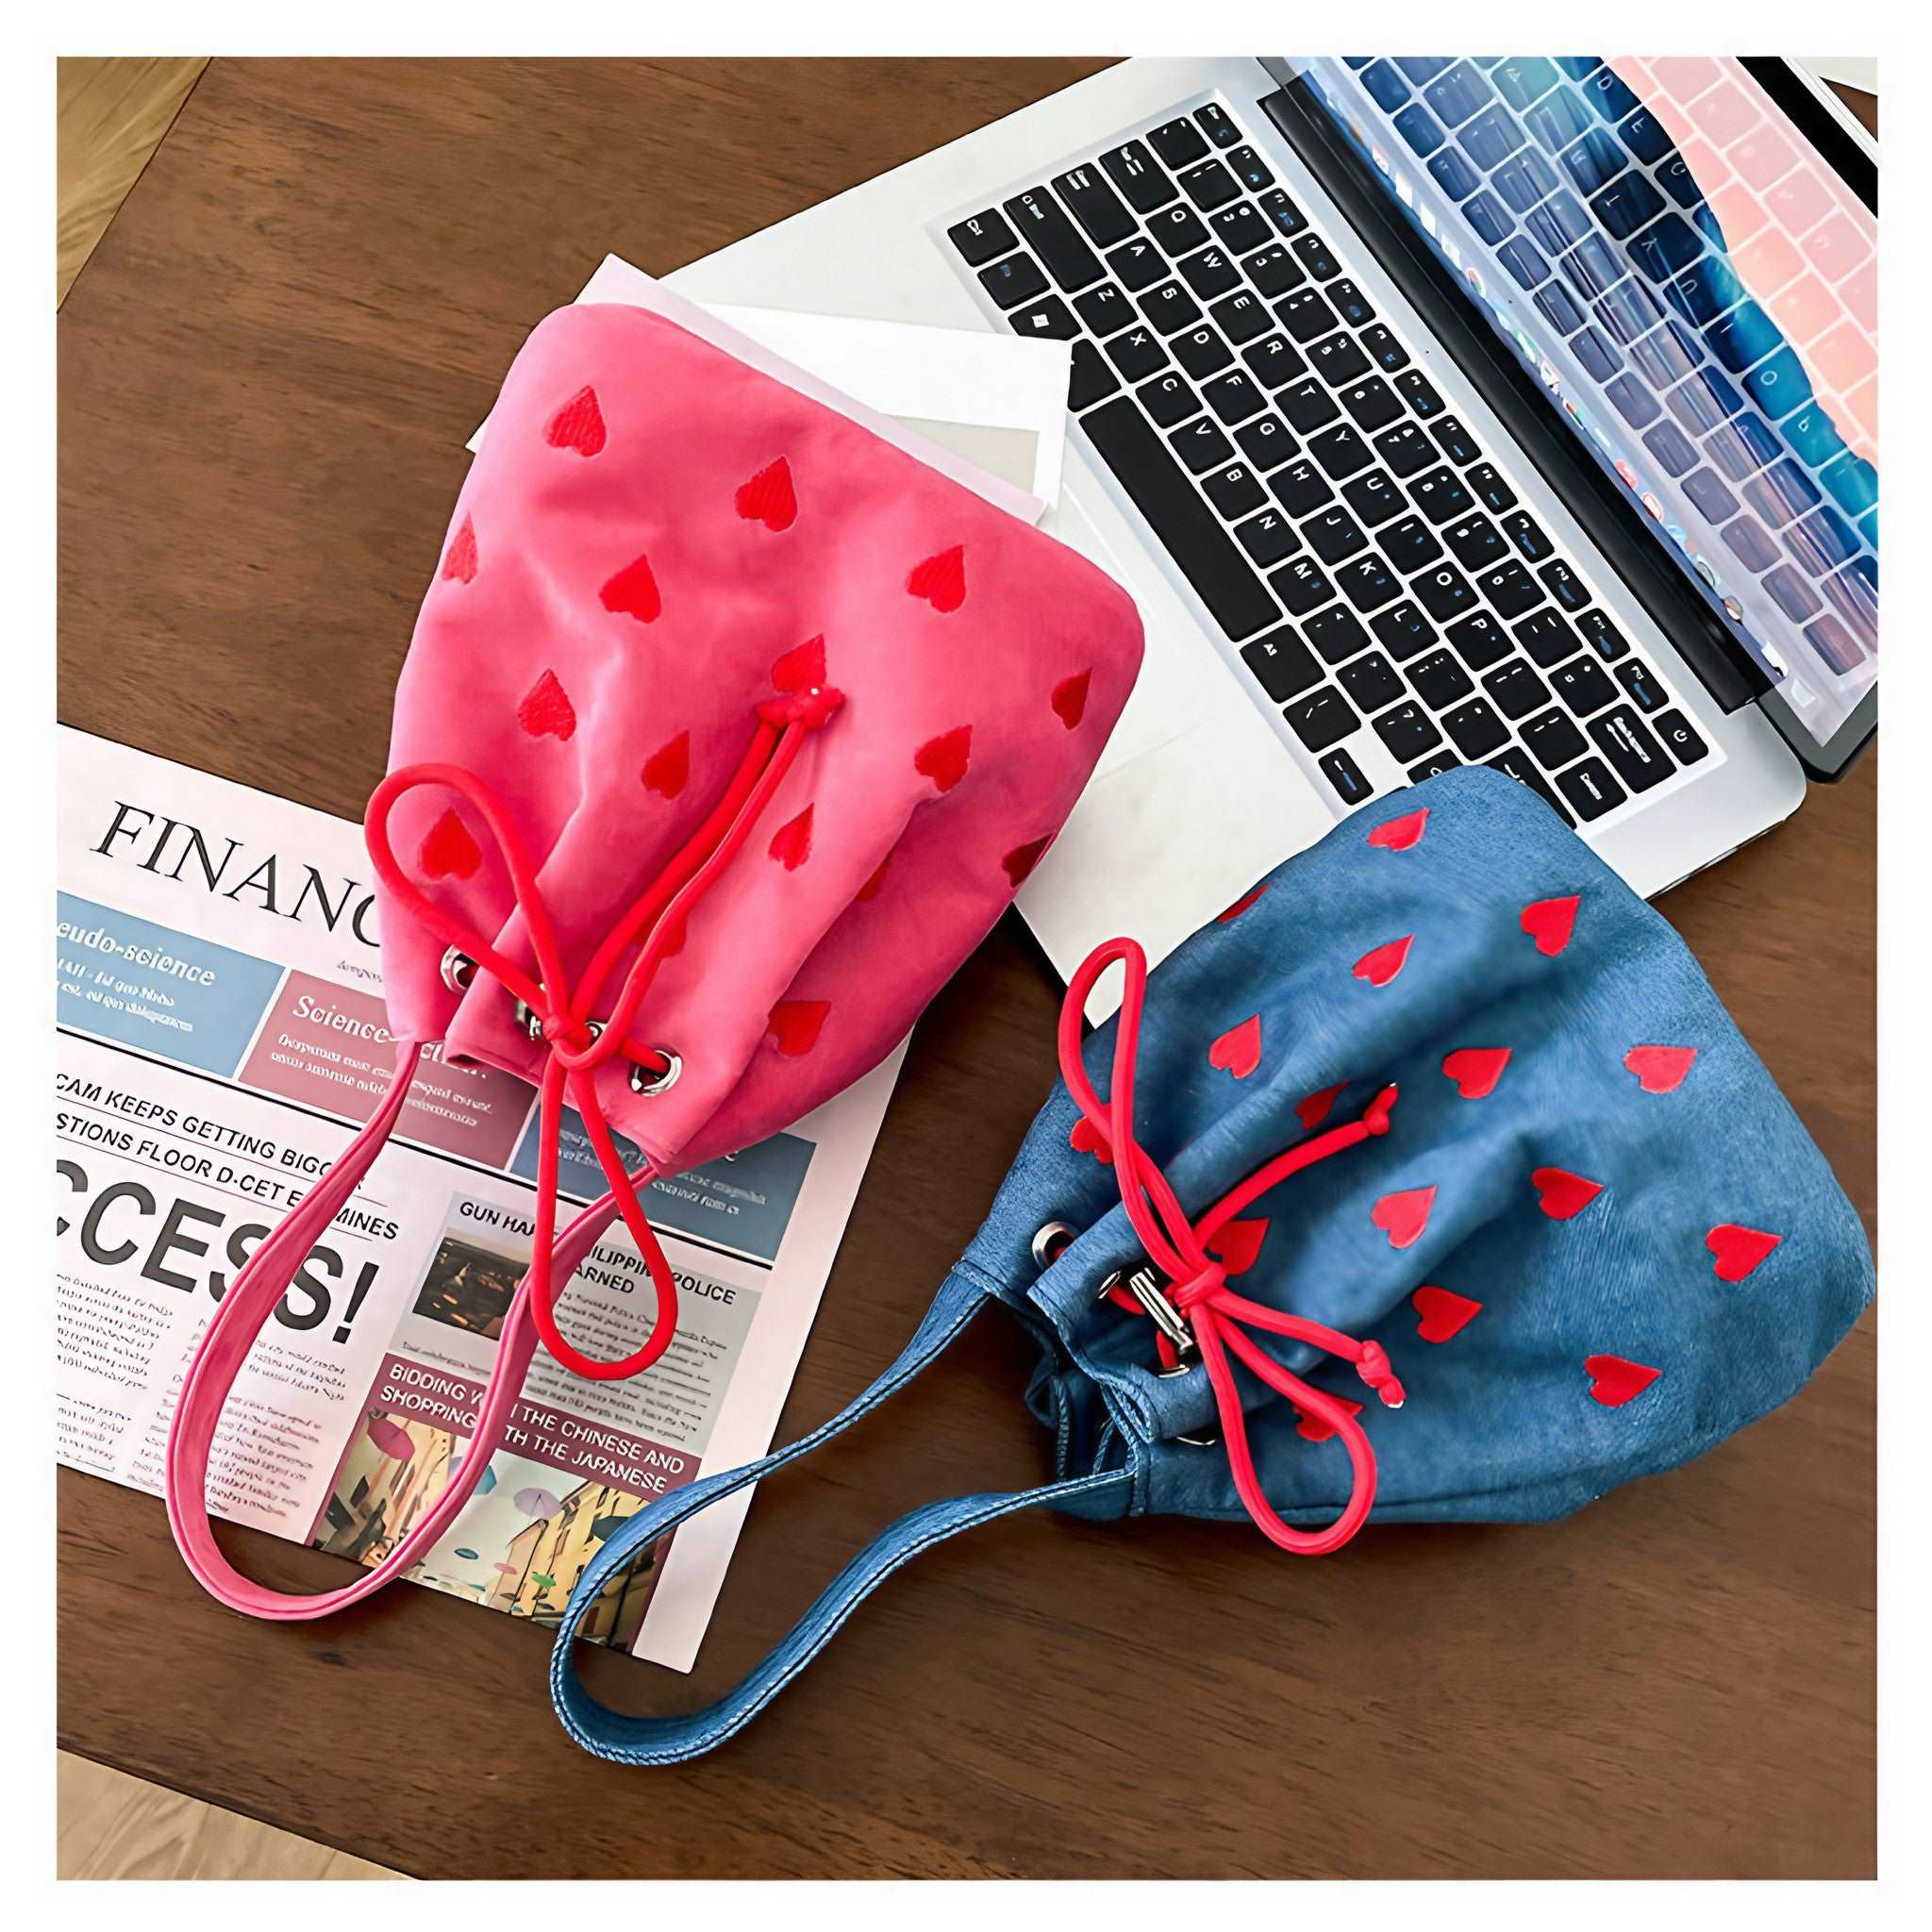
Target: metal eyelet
1050 1240
459 970
528 1019
646 1085
1199 1442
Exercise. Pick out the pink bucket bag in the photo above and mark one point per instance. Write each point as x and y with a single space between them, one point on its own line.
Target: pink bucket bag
727 730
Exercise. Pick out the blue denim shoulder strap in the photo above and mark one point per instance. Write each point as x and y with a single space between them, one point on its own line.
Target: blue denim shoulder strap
672 1739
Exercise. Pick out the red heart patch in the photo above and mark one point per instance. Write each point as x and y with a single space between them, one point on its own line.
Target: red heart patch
1442 1313
1384 962
1562 1195
449 851
633 593
1070 698
940 579
1550 922
1739 1249
1085 1138
1404 1216
802 667
1613 1381
791 843
1240 905
1475 1070
1236 1245
1312 1111
1660 1068
1021 861
545 711
943 758
459 560
1312 1428
1239 1050
768 498
794 1024
870 891
578 425
667 769
1400 835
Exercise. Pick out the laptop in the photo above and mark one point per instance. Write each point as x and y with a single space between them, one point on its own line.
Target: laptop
1516 409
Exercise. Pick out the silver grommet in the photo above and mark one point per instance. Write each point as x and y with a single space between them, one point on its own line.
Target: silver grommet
532 1022
459 970
644 1083
1050 1240
1199 1442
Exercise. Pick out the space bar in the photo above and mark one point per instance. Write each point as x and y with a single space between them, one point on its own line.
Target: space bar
1166 496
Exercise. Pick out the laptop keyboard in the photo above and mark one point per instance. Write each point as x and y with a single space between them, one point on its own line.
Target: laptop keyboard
1386 589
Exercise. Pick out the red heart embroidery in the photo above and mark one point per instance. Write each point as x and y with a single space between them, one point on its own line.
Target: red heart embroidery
1085 1138
768 498
578 425
667 769
1379 966
794 1024
943 758
1475 1070
802 667
633 593
1021 861
940 579
545 711
449 851
1240 905
1550 922
1442 1313
1238 1244
1404 1216
870 891
791 843
1400 835
1614 1381
1312 1428
1563 1195
1739 1249
1312 1111
459 560
1070 698
1239 1050
1660 1068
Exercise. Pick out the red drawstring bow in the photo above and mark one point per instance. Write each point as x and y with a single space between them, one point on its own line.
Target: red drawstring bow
1215 1316
576 1044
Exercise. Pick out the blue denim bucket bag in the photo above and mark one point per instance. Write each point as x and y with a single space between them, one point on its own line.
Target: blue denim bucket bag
1430 1183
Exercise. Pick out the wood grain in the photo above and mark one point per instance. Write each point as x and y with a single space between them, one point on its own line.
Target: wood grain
267 373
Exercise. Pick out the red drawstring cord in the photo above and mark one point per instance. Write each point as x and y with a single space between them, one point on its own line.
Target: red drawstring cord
1215 1315
577 1044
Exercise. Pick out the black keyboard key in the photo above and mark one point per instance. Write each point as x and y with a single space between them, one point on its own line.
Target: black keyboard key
1137 353
1476 541
1486 480
1049 318
1527 535
1554 740
1105 309
981 237
1218 124
1510 589
1178 229
1210 185
1201 446
1301 586
1238 228
1416 390
1233 491
1137 265
1301 488
1454 442
1382 346
1440 680
1445 593
1169 399
1092 378
1043 226
1316 257
1405 449
1285 666
1590 790
1249 170
1475 729
1204 552
1564 584
1334 534
1407 731
1274 270
1169 307
1266 442
1338 359
1583 684
1269 538
1178 142
1368 583
1640 682
1638 758
1243 316
1350 303
1681 736
1548 636
1433 766
1305 315
1516 691
1323 719
1209 272
1410 544
1373 682
1403 630
1307 405
1337 633
1340 451
1274 360
1288 219
1374 497
1513 764
1094 206
1608 640
1138 176
1233 397
1201 352
1439 495
1479 641
1015 280
1345 776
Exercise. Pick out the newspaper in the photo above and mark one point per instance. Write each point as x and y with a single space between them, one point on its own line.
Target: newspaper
221 1026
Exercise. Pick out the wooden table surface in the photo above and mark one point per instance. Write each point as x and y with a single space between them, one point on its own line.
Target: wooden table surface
267 371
